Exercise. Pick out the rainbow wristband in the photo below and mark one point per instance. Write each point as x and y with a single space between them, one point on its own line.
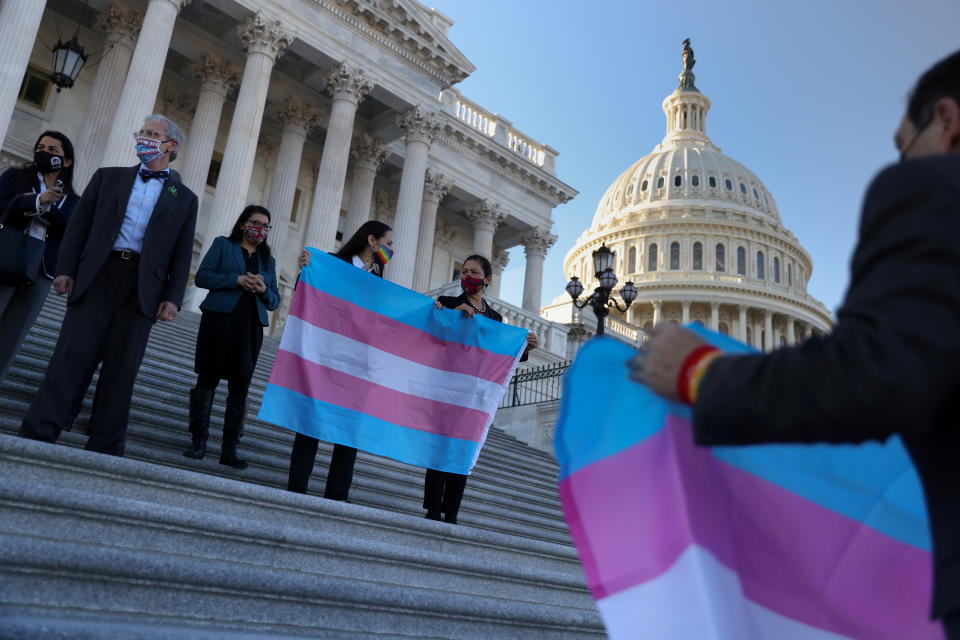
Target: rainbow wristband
692 369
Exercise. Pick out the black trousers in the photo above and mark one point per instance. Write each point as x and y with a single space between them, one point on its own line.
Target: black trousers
238 387
339 477
951 624
443 492
107 321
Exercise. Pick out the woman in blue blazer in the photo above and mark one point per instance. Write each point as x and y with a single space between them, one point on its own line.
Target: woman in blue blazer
37 199
242 278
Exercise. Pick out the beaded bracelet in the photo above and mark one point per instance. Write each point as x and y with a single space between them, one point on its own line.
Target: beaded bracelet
692 370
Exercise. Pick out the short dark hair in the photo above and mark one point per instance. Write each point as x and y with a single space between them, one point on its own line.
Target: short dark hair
484 263
358 241
66 174
236 234
942 80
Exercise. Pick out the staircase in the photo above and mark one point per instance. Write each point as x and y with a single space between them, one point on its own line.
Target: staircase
155 545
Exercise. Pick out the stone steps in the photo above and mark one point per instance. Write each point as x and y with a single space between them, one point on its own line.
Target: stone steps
155 545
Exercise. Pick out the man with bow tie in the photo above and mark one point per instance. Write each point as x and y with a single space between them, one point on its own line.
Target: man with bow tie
124 262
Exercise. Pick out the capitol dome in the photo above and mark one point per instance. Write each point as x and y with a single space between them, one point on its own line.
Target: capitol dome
701 238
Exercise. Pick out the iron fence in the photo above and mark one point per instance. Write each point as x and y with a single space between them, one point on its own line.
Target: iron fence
535 384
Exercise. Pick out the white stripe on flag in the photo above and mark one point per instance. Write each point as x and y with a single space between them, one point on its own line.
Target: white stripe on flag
388 370
698 598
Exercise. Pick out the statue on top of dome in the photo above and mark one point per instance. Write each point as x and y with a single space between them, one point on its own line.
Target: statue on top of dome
686 76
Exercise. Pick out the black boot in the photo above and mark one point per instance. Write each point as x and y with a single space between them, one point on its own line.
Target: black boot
232 431
201 401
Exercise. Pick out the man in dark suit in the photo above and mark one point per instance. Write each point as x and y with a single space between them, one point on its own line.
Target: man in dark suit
892 363
124 261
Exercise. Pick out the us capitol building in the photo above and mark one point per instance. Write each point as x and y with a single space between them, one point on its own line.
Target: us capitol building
701 238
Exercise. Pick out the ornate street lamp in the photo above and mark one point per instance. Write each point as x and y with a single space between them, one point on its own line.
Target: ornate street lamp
68 58
602 297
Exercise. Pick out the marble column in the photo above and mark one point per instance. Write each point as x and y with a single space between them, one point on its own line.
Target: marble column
536 243
742 324
715 316
297 119
143 80
265 41
486 216
500 260
348 86
19 24
791 332
435 187
769 345
368 153
419 128
121 26
657 311
217 78
685 312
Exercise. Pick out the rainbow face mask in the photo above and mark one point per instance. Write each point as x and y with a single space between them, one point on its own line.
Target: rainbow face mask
383 254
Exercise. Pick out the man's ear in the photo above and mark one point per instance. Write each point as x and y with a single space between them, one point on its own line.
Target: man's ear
947 113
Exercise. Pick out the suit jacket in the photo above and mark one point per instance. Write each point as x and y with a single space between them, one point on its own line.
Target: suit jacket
891 365
164 264
218 272
452 302
19 188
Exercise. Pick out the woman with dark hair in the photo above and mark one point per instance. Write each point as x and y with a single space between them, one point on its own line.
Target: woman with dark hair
442 490
242 278
36 199
370 248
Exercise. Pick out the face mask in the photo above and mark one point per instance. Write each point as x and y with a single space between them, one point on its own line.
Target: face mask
47 162
256 235
148 149
471 285
383 254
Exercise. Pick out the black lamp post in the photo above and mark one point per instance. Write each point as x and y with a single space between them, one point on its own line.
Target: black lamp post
602 297
68 58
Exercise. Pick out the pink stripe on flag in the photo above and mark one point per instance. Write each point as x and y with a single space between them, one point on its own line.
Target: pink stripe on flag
402 409
788 569
363 325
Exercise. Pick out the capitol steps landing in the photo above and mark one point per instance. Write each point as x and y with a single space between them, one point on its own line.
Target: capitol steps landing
158 546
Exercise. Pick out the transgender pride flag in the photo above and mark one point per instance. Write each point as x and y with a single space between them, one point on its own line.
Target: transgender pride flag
367 363
773 542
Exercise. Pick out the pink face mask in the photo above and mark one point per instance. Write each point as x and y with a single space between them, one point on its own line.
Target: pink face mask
471 285
256 235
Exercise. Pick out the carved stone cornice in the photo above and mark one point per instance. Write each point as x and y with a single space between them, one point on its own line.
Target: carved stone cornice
122 25
484 214
435 186
266 144
419 125
262 35
216 74
446 234
537 242
346 82
368 152
297 115
177 106
500 260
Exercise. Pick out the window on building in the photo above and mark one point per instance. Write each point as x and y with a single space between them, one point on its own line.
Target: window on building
789 274
760 270
213 173
712 182
295 209
652 258
677 181
776 269
724 329
720 257
660 182
632 260
728 184
695 180
749 336
743 188
457 266
630 190
697 256
674 256
756 196
741 261
35 88
644 185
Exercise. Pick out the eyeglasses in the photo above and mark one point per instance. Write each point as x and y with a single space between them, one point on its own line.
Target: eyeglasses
260 225
148 133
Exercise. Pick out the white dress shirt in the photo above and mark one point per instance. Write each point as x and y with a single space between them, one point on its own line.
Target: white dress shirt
143 198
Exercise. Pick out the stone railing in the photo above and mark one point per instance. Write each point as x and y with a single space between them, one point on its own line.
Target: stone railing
552 336
614 327
498 129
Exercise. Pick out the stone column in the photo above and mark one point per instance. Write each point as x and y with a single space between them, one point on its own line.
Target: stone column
19 24
486 216
435 187
143 80
742 324
348 86
500 260
791 332
536 242
265 41
368 153
419 128
657 311
217 78
715 316
685 313
768 330
297 119
121 26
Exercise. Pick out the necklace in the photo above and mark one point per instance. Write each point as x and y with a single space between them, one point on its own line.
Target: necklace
477 309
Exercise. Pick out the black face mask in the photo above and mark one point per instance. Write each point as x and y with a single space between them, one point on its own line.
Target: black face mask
47 162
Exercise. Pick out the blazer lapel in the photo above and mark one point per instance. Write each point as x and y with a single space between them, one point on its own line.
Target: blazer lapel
124 187
168 195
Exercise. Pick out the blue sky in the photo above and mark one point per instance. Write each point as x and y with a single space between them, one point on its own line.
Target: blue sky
805 94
